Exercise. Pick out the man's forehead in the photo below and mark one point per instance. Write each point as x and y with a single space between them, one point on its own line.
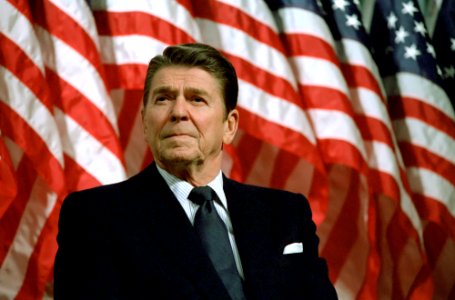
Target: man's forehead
190 79
166 89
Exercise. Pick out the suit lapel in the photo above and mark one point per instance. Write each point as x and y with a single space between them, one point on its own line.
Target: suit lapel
169 227
253 235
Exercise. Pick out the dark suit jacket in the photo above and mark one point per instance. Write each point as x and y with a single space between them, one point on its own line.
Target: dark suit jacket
132 240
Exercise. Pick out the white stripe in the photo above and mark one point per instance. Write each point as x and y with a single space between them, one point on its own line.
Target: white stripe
36 212
17 28
81 14
88 152
257 53
355 53
415 86
136 149
297 20
77 71
170 11
421 134
257 10
319 72
20 99
382 158
274 109
14 151
332 124
431 184
366 102
130 49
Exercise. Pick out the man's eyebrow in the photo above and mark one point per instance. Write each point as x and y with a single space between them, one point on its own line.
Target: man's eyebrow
163 90
168 89
196 91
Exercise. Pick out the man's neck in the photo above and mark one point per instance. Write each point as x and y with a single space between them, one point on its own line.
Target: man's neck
196 175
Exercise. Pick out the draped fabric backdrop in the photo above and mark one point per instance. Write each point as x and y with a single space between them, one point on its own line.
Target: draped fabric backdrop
349 103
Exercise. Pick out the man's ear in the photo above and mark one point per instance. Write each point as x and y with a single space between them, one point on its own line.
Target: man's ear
231 125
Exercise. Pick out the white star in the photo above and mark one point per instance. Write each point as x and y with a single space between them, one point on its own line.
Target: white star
401 35
392 21
420 28
430 49
353 21
452 44
357 2
438 69
409 8
340 4
411 52
449 72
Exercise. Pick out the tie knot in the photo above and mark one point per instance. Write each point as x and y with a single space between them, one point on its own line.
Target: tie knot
201 194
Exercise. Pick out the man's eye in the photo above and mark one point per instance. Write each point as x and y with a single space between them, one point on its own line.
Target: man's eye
198 99
161 99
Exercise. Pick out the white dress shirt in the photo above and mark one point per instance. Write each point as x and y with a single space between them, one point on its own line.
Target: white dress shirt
182 190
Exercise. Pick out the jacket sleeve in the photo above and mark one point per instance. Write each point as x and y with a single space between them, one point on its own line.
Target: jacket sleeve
305 274
83 266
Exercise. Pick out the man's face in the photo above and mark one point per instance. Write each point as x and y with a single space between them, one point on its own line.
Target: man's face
185 120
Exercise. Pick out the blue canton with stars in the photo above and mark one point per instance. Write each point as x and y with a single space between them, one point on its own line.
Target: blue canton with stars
401 42
345 21
444 42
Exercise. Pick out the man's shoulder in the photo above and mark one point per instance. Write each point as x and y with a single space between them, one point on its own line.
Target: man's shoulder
274 196
108 194
252 188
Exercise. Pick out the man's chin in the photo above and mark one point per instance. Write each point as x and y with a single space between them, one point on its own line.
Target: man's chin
179 158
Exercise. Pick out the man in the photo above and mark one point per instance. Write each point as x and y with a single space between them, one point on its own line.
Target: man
156 236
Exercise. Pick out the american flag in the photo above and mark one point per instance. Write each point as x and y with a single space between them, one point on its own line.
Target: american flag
349 103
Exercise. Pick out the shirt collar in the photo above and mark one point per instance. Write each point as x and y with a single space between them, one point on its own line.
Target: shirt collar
182 189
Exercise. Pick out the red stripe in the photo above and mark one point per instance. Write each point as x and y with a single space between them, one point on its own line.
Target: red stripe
23 8
40 264
279 136
318 196
18 63
73 103
325 98
264 80
8 179
34 146
77 178
126 76
340 152
248 149
188 5
397 240
283 167
131 107
373 129
417 156
64 27
383 183
369 289
406 107
345 230
139 23
9 222
222 13
434 211
360 76
147 159
298 44
235 173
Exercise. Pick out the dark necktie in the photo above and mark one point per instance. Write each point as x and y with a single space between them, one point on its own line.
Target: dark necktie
213 233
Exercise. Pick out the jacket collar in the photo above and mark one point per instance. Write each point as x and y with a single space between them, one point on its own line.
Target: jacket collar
169 227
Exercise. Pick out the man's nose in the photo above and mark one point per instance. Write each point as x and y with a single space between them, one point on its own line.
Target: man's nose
179 110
